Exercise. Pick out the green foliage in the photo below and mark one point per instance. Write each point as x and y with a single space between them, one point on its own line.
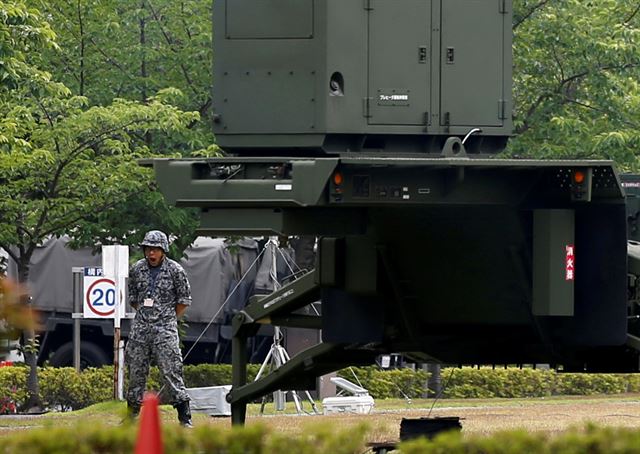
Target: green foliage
633 383
576 80
122 49
486 383
467 382
196 376
254 439
71 138
591 439
13 384
590 384
89 437
65 389
73 165
22 30
386 384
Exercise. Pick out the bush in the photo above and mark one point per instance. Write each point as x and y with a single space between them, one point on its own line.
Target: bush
196 376
587 384
13 387
487 382
387 384
65 389
254 439
257 439
592 439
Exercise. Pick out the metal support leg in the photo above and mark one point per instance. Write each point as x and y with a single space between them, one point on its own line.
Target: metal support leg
239 357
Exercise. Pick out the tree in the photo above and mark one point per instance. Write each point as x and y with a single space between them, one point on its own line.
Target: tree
576 79
132 49
63 164
74 165
21 29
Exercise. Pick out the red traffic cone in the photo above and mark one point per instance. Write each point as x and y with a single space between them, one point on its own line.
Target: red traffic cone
149 436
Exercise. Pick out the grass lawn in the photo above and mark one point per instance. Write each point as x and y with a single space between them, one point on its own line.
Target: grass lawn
480 416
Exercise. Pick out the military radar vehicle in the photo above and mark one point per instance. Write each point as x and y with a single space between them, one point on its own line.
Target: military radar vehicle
370 124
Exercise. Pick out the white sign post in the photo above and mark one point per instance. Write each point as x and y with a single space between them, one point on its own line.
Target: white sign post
115 266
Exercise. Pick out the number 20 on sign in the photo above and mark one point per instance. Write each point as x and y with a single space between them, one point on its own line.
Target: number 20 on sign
99 294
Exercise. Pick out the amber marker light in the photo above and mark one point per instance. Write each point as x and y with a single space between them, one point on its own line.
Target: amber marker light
578 176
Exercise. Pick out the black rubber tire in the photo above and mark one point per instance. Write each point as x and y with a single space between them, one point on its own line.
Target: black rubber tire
90 356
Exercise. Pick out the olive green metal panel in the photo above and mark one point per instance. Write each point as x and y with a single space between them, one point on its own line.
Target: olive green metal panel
472 62
269 19
360 265
399 61
330 264
265 68
220 182
554 266
289 182
347 57
356 75
287 95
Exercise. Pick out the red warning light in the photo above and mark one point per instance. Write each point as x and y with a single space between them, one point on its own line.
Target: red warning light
337 178
578 176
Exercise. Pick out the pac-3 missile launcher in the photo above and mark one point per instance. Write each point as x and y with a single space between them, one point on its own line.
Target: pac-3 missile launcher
362 122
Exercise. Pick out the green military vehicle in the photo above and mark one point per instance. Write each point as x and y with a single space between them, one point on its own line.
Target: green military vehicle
372 124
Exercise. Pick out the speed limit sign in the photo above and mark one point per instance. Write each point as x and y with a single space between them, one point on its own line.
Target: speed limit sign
99 294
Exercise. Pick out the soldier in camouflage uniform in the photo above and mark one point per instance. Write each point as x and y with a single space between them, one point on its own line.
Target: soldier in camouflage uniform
160 293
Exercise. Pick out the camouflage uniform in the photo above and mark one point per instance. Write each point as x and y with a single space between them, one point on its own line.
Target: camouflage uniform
155 329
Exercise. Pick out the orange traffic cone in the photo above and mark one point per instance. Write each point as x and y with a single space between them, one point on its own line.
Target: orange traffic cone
149 435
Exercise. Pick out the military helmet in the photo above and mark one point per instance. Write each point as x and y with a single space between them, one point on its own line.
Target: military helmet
156 238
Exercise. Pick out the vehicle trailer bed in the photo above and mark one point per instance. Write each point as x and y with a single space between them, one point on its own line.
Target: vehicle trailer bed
452 260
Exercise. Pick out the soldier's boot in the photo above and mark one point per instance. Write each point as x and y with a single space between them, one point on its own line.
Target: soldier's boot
184 414
133 410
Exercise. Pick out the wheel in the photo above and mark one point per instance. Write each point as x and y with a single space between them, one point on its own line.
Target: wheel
90 356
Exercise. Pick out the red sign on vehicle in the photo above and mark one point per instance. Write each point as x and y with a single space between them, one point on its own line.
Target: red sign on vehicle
570 263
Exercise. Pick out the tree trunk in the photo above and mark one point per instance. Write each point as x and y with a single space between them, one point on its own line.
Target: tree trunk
33 403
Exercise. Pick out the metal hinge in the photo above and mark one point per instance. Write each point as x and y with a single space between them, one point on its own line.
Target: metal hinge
366 109
503 7
367 5
502 109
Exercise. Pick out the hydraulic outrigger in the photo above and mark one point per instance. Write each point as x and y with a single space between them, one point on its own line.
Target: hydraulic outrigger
299 373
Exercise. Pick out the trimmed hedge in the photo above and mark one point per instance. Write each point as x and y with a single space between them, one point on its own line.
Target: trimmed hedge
89 437
253 439
592 440
388 384
64 389
487 383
